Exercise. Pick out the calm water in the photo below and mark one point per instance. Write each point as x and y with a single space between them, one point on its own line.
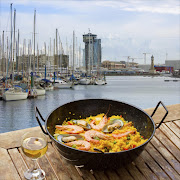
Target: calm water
143 92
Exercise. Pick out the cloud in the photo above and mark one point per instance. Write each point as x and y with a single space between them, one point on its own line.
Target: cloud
125 27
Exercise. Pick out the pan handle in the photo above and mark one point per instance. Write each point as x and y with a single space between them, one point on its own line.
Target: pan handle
37 111
164 115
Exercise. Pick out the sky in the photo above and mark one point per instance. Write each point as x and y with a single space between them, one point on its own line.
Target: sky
125 27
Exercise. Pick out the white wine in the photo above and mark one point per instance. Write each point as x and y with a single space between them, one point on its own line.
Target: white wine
34 147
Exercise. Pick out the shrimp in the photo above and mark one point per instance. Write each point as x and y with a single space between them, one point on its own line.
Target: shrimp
71 129
92 133
128 124
100 126
81 144
123 134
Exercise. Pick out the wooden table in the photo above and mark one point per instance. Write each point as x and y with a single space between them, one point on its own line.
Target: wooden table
159 160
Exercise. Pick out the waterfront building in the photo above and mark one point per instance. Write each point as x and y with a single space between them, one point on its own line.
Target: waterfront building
174 63
92 51
113 65
163 68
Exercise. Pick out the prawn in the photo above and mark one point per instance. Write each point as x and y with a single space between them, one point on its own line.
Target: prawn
102 123
81 144
100 126
92 133
71 129
118 136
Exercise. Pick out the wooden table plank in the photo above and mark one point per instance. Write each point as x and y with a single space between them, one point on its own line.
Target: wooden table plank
112 175
143 167
70 168
123 174
133 170
7 168
166 154
86 174
174 113
173 128
56 163
45 165
162 162
18 162
168 144
100 175
13 139
153 165
177 123
170 135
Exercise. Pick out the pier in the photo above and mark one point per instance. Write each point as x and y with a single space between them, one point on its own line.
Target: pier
159 160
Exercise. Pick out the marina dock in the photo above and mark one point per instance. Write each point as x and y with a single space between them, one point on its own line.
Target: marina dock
159 160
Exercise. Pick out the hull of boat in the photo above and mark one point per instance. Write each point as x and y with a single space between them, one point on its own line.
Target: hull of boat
40 92
100 82
63 86
14 96
84 81
49 88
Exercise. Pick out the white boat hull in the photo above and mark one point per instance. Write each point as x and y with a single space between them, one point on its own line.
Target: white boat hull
14 96
40 92
100 82
84 81
49 88
63 85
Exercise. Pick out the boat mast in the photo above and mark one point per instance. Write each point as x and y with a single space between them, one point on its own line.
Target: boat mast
50 55
14 44
11 42
73 52
79 55
89 55
67 53
38 59
3 57
34 39
7 57
54 56
18 59
57 51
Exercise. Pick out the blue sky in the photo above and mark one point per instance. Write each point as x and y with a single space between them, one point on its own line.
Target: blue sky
126 28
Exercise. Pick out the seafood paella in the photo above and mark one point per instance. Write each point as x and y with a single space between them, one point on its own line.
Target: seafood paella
99 133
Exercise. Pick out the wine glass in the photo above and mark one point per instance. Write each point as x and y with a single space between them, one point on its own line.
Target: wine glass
34 145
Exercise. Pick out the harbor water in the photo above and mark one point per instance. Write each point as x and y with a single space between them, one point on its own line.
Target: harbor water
143 92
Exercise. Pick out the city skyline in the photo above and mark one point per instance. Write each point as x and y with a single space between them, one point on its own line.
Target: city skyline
126 28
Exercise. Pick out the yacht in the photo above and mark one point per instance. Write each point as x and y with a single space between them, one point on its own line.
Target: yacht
84 81
60 84
14 94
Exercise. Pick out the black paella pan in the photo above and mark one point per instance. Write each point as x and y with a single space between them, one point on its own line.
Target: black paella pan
84 108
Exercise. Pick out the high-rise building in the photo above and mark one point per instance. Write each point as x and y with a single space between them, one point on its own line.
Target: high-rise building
92 51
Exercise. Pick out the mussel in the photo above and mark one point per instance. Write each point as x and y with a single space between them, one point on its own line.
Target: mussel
113 125
82 123
69 137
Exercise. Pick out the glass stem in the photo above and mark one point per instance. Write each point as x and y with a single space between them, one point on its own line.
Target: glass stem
34 164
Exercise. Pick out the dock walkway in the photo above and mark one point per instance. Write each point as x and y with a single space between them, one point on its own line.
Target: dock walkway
159 160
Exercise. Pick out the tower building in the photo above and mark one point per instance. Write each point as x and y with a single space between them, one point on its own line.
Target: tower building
92 51
152 69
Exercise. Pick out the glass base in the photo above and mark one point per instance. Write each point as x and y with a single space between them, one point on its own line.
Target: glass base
37 174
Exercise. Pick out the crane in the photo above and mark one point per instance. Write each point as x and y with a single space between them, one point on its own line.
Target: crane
133 60
145 57
128 57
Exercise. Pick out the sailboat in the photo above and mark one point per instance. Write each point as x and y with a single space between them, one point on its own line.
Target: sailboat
84 81
15 93
61 84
